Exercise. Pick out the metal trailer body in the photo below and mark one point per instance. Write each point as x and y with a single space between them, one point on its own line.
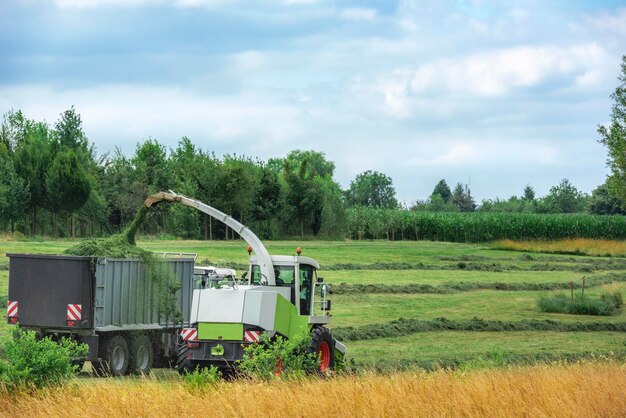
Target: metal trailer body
97 301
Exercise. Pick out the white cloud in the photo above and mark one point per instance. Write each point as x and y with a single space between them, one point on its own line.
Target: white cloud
474 152
117 114
496 74
359 14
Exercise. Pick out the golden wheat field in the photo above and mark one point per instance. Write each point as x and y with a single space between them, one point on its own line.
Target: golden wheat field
583 390
593 247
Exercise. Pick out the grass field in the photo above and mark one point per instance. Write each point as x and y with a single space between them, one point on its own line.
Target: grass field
425 263
582 390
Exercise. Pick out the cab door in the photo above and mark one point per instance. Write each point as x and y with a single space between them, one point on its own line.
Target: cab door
307 274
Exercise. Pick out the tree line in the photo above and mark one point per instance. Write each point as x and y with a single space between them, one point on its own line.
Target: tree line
53 183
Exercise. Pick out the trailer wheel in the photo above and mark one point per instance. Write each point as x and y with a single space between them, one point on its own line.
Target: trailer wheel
115 358
140 354
322 344
78 365
183 364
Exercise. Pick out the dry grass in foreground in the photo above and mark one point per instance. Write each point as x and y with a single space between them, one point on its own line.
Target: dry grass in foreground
589 389
593 247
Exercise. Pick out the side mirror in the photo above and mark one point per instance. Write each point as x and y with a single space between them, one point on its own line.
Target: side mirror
320 279
244 275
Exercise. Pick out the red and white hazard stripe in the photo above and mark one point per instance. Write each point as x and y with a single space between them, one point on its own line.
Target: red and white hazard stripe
74 312
12 308
251 336
189 334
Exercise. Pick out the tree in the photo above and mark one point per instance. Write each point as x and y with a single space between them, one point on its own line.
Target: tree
443 190
529 193
462 198
14 191
604 202
68 131
68 186
614 137
14 129
305 194
563 198
121 190
267 204
372 189
32 158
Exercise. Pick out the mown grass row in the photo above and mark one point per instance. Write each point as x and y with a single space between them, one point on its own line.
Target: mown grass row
403 326
583 266
455 287
480 227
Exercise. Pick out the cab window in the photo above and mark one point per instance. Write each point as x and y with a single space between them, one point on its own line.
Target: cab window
255 277
307 275
284 275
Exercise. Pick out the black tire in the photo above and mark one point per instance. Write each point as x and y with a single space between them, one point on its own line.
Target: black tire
114 356
140 349
78 364
183 364
320 337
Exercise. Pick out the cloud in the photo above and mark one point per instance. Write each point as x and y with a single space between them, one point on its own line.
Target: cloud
132 113
359 14
496 73
491 75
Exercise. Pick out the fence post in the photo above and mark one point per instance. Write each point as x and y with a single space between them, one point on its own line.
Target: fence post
583 292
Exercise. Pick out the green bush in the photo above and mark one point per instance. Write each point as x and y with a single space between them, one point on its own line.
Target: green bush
611 293
280 357
31 363
578 305
202 379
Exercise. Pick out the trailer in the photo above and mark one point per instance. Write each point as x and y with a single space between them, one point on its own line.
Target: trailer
112 305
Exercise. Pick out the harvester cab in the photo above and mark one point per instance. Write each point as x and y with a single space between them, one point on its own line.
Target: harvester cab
282 295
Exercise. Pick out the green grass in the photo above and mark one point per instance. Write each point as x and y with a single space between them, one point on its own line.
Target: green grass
442 264
362 309
326 252
439 277
432 346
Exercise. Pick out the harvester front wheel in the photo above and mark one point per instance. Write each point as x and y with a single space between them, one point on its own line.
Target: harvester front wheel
322 345
183 364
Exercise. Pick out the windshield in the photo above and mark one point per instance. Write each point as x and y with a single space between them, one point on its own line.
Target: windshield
284 275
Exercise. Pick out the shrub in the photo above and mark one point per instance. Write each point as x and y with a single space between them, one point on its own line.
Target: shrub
578 305
32 363
611 293
202 379
280 357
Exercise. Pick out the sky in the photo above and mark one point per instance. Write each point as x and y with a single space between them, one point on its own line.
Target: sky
494 94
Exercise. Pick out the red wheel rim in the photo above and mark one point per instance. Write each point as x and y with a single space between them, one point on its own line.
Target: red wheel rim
324 354
279 368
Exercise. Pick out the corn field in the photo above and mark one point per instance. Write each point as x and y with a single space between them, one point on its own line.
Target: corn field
367 223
